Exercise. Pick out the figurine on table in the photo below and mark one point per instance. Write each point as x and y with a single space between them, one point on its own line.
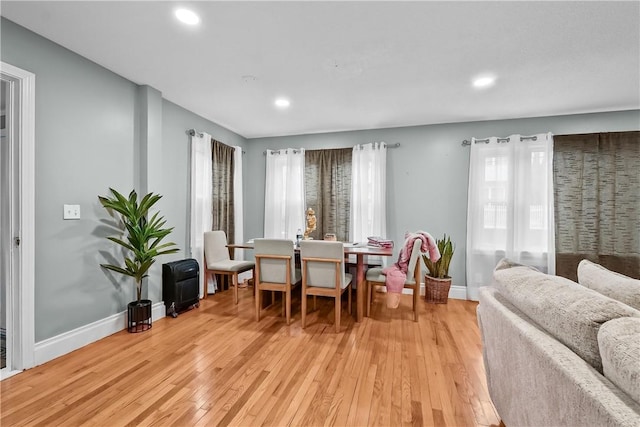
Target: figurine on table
311 223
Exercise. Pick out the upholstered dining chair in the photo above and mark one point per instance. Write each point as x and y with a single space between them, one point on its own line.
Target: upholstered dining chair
218 261
275 271
323 274
375 277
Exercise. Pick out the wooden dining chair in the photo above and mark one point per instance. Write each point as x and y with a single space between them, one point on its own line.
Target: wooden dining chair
218 261
275 271
323 274
374 277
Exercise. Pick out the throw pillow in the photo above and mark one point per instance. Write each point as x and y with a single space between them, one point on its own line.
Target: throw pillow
609 283
619 341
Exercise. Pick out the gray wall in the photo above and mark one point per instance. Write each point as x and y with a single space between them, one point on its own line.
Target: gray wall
176 160
427 176
95 130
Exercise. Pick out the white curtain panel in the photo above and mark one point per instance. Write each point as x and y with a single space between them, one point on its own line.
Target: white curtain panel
510 206
368 192
201 203
284 204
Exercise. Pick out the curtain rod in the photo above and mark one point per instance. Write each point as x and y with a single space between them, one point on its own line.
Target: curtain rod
486 140
193 132
278 151
396 145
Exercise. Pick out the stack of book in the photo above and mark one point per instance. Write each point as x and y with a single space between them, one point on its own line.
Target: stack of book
379 242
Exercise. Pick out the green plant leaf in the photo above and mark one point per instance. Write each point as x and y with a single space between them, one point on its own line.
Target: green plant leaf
440 268
142 237
117 269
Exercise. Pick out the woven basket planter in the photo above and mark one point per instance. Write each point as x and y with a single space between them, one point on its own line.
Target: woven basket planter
437 290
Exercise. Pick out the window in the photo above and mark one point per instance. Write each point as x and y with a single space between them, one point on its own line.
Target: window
510 206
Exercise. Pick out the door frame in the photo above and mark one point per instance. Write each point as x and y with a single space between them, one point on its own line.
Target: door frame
21 292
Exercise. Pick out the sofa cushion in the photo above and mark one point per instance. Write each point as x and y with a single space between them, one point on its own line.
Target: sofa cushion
619 341
570 312
609 283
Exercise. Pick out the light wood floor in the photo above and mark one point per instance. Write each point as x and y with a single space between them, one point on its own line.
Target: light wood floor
216 366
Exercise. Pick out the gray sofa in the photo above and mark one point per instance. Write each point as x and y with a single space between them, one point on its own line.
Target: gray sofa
558 353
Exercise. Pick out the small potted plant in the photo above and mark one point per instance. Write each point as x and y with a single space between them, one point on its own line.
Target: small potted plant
142 242
438 282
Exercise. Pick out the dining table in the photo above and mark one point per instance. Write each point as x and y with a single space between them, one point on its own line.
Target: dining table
361 252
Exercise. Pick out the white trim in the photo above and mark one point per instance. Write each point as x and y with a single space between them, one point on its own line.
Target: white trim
24 331
67 342
474 294
458 292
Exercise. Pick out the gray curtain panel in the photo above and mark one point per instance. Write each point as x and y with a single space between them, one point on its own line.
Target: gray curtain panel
327 182
222 209
597 201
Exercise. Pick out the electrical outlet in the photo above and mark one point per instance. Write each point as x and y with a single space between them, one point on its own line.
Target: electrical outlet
71 212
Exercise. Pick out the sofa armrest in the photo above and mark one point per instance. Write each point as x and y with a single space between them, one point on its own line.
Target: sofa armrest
535 380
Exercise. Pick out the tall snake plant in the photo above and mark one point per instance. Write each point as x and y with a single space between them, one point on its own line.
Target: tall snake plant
440 268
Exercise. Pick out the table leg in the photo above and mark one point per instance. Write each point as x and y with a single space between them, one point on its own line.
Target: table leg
360 296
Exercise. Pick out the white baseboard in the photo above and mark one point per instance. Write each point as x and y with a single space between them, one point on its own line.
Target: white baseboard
67 342
458 292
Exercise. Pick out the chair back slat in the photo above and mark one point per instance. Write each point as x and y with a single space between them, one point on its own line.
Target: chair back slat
319 273
415 258
274 270
215 246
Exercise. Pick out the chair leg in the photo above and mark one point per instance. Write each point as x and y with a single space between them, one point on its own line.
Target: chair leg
368 301
288 303
338 308
207 276
258 302
416 295
235 288
283 306
303 307
206 284
349 299
253 279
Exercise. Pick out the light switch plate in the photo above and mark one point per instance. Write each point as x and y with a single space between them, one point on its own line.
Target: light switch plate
71 212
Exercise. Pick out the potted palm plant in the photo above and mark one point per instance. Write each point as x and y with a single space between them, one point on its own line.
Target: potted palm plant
142 244
438 282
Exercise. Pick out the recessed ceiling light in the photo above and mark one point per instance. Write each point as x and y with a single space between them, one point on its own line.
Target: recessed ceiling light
188 17
282 103
484 82
248 78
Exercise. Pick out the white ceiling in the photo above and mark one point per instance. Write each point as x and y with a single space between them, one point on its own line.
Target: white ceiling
358 65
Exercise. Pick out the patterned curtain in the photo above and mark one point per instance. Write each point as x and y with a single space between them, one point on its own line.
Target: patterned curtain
597 195
327 182
222 210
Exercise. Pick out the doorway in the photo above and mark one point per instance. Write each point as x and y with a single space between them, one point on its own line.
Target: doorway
17 224
7 204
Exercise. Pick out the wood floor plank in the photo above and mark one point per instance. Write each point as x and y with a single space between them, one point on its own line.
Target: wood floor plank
379 338
396 379
366 375
216 366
